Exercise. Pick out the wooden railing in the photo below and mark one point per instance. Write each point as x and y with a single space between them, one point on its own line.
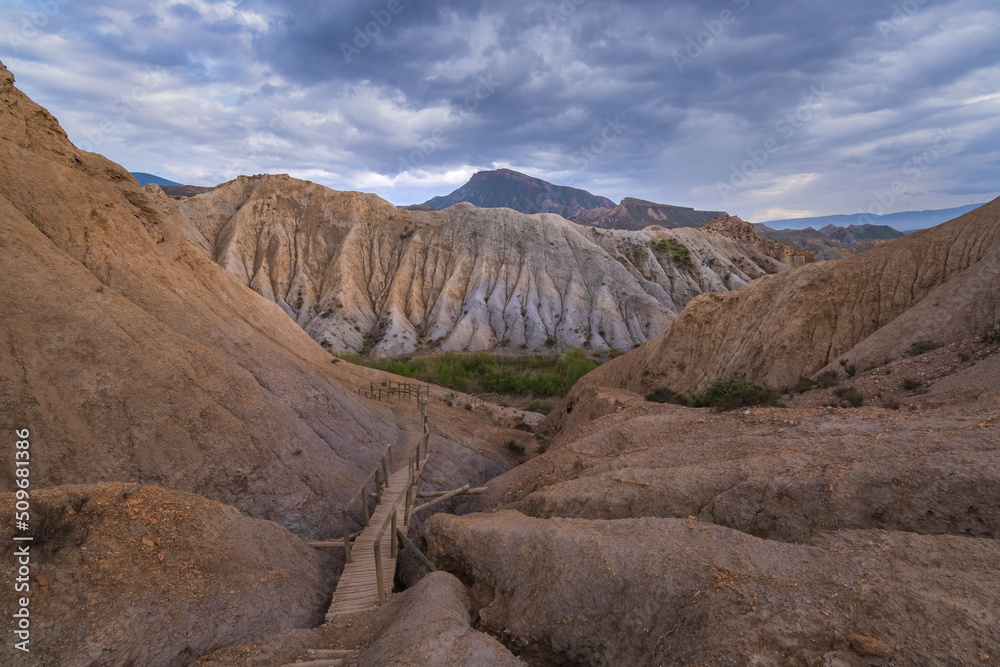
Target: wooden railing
389 390
385 468
416 466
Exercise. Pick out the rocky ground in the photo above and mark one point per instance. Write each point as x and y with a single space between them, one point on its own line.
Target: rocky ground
128 574
655 534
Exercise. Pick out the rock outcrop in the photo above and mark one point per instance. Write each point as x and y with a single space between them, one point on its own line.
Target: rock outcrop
360 274
941 284
428 626
661 591
132 357
745 233
124 574
636 214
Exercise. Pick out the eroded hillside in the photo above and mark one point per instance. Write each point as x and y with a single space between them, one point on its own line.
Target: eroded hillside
359 274
939 285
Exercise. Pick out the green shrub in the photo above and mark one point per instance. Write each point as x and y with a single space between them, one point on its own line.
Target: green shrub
298 301
829 379
676 251
803 385
736 392
922 347
515 448
850 397
667 395
912 384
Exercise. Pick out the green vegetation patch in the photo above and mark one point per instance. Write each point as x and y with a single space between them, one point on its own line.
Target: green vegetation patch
676 251
535 378
725 394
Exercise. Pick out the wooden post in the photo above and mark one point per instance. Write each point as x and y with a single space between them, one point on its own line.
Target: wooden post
408 504
385 473
378 488
364 502
390 460
347 537
395 543
408 543
378 573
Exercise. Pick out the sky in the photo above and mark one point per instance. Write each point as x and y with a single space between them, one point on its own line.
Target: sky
763 109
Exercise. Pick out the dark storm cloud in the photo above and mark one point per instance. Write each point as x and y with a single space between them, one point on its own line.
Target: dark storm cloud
660 100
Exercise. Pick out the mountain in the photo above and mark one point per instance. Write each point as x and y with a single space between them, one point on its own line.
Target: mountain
504 188
832 242
358 273
146 179
906 221
637 214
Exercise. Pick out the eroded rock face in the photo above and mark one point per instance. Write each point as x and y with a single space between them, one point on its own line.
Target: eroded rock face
428 626
665 591
359 274
133 357
941 284
124 574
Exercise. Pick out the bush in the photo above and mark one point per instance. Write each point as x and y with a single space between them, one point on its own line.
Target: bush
676 251
803 385
912 384
850 397
829 379
890 403
992 335
667 395
515 448
736 392
922 347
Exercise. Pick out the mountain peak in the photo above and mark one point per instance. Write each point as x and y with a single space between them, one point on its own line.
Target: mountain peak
506 188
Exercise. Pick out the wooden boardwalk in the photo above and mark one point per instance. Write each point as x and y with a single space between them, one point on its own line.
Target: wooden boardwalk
357 589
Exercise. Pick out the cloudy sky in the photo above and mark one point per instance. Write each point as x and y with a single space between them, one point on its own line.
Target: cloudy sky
765 109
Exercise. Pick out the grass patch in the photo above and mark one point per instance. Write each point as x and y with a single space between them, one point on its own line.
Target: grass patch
539 379
922 347
726 394
676 252
829 379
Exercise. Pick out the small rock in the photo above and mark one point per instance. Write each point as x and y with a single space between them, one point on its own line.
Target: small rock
863 645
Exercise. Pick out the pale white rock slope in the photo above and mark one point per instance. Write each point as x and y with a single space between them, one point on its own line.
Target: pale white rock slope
358 273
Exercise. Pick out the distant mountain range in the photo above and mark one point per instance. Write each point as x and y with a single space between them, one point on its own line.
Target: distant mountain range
170 187
832 242
505 188
906 221
146 179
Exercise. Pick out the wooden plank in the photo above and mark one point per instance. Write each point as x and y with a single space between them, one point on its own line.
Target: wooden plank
331 653
447 496
436 494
